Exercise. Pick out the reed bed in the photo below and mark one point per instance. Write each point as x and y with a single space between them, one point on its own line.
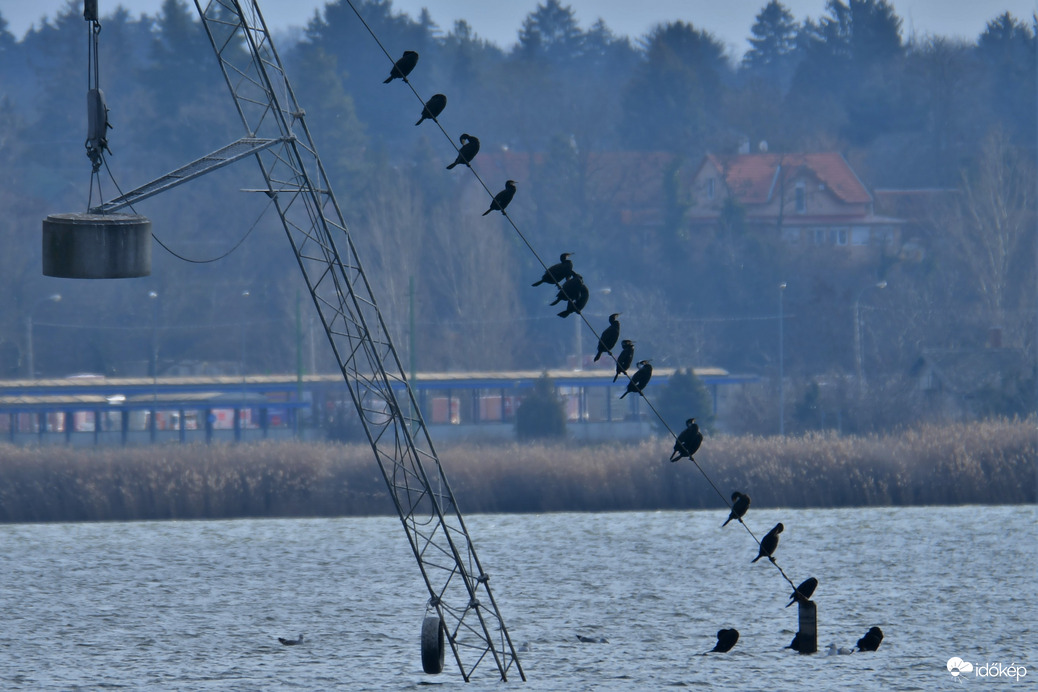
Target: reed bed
991 462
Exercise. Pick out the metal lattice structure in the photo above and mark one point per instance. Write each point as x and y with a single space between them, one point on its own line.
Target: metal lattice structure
277 136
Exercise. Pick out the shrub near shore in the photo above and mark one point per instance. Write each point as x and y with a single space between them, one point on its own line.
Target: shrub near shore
992 462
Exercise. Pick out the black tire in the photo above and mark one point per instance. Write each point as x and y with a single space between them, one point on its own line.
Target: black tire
432 645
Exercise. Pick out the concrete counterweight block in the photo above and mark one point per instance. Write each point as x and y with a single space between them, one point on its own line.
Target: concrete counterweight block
96 246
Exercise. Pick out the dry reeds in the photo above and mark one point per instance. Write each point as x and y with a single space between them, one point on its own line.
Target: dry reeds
991 462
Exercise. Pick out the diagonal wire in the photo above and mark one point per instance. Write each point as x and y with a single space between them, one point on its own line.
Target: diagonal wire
537 256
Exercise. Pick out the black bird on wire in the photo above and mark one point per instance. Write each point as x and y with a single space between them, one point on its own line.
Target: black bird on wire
501 199
403 66
769 543
557 273
639 379
871 640
609 336
468 151
688 441
568 289
740 503
433 107
576 298
726 640
803 593
626 357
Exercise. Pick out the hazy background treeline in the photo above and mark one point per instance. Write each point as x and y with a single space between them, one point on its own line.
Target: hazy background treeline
988 463
907 111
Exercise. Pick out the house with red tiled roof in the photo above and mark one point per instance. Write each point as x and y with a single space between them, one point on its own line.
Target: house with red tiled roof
808 199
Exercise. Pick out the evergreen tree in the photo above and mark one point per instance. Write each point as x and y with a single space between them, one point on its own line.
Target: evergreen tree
541 415
683 397
773 48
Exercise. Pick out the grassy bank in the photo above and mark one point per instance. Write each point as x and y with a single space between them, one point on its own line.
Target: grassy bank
993 462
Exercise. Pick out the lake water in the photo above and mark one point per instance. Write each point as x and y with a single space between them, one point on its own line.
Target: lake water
199 605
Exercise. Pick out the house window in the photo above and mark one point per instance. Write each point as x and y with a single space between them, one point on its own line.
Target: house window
710 188
801 199
820 236
841 236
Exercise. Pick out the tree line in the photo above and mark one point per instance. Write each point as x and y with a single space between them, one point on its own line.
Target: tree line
908 112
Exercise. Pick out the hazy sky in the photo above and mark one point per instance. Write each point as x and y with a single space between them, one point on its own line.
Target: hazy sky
499 20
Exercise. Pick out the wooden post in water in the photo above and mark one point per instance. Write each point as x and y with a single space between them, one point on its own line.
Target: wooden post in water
808 627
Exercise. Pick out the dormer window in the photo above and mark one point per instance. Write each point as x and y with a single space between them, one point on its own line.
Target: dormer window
801 199
710 188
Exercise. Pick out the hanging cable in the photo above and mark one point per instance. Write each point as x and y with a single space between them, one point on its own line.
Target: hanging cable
558 285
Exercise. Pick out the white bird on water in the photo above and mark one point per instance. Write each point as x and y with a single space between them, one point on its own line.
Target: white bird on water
833 651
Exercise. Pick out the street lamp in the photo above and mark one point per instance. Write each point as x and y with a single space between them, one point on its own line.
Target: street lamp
858 357
782 374
153 296
30 362
244 294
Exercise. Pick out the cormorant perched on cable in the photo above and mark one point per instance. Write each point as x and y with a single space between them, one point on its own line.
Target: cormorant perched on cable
576 303
688 441
609 336
468 151
803 593
557 273
433 107
769 543
403 66
639 379
871 640
502 198
568 289
740 503
626 357
726 639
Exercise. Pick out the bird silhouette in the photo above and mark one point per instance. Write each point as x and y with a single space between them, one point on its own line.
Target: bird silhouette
795 644
740 503
871 640
726 639
568 289
609 336
291 642
576 298
592 640
639 379
769 543
802 594
626 357
501 199
468 151
557 273
688 441
433 107
403 66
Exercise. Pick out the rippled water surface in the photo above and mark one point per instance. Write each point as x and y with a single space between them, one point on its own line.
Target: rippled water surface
199 605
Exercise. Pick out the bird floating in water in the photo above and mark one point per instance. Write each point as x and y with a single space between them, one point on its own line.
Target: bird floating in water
871 640
291 642
557 273
639 379
501 199
467 152
626 357
687 443
740 503
726 639
609 336
433 107
769 543
795 644
592 640
803 593
842 651
403 66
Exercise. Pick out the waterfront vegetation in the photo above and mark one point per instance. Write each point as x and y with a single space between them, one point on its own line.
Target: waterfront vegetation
991 462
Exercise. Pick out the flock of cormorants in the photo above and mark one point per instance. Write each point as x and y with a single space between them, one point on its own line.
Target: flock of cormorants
573 290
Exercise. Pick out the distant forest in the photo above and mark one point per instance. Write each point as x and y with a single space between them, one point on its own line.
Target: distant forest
918 112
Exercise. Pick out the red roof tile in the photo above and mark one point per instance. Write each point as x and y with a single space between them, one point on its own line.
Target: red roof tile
754 178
